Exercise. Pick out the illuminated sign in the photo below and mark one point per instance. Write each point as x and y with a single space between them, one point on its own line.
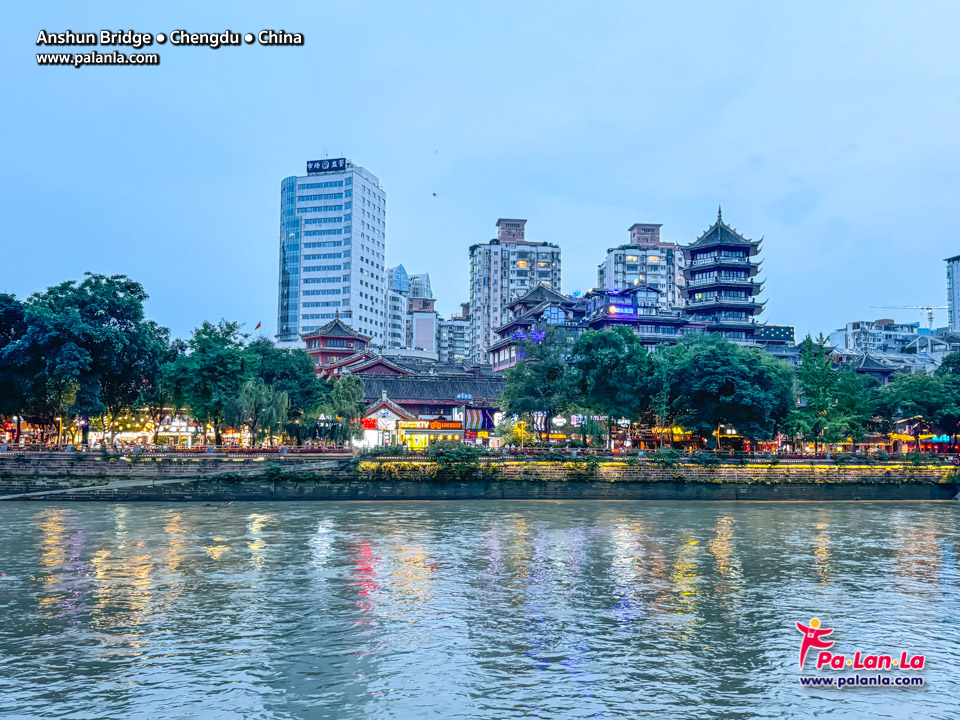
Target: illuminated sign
412 425
369 423
464 396
322 166
444 425
620 310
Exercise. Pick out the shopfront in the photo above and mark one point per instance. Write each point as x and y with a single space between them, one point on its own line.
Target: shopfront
420 434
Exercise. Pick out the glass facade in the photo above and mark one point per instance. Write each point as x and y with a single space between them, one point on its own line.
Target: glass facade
289 262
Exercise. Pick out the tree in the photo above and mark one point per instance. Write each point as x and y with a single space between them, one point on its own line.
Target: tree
82 347
291 371
345 406
927 400
614 374
162 384
950 365
541 383
836 403
714 382
214 369
14 378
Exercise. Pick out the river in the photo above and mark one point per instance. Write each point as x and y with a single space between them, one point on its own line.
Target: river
470 609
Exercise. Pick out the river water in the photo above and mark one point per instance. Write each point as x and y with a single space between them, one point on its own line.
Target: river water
470 610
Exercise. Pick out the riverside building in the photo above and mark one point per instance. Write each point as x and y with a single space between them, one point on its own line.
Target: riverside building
645 260
502 270
332 246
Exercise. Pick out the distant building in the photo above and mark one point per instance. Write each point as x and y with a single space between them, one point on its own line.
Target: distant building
953 293
721 288
645 260
399 280
877 336
330 264
396 330
419 286
454 336
502 270
422 324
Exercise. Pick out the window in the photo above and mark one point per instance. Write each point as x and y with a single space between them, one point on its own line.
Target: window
554 316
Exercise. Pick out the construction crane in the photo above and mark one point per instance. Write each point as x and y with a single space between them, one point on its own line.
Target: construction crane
929 309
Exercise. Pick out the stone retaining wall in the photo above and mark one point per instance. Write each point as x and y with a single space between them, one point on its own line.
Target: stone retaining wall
216 479
254 489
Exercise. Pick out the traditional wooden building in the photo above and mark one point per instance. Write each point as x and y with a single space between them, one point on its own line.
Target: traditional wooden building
721 287
334 342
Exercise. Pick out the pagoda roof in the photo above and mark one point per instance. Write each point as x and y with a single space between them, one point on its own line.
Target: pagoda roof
539 294
336 328
720 233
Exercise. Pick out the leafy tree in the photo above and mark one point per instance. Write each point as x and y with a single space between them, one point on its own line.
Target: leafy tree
714 382
259 407
14 377
541 382
927 400
345 406
291 371
83 348
162 384
214 370
950 365
614 374
837 403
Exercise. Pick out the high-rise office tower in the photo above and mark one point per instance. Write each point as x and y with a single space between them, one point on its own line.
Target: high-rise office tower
332 245
953 293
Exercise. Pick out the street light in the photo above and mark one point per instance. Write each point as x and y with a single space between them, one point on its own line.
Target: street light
522 426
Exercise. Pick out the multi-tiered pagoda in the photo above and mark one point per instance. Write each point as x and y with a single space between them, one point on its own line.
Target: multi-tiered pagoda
721 287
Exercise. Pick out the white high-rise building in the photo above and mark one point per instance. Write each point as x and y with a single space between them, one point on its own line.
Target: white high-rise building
953 292
454 342
396 334
501 271
332 245
645 260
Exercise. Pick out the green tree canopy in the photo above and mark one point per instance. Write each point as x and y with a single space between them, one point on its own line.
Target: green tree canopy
213 371
541 382
715 382
614 374
927 400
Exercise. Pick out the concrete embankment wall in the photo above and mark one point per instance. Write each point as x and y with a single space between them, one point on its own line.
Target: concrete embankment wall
31 472
254 489
218 480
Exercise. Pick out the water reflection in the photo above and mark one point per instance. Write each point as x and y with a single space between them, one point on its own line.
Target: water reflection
466 610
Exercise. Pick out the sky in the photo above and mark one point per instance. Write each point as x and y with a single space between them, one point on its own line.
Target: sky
830 129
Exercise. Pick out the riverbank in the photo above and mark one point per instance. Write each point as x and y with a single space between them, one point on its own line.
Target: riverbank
218 479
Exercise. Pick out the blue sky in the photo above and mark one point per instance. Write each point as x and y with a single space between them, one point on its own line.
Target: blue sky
829 128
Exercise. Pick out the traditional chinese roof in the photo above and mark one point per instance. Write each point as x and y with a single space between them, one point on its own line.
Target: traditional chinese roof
869 364
430 389
377 361
385 403
336 328
720 233
539 294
